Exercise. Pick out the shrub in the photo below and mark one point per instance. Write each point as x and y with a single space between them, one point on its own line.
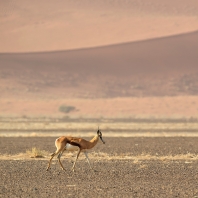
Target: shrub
36 153
66 109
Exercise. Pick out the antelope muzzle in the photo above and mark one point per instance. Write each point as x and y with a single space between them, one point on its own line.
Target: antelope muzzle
102 140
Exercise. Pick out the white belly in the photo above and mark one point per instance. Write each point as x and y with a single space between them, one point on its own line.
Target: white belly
70 147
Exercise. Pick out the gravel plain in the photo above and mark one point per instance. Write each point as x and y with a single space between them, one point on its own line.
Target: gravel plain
119 170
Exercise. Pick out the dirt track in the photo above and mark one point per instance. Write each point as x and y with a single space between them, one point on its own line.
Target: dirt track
114 177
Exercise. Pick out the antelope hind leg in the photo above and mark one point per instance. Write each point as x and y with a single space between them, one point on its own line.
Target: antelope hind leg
50 160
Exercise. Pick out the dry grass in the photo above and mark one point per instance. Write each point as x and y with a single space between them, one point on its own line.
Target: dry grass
125 127
36 153
136 159
107 126
93 126
105 134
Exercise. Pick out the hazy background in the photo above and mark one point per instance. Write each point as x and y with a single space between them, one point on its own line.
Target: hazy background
116 58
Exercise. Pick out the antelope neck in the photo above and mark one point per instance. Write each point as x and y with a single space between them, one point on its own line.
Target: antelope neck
93 141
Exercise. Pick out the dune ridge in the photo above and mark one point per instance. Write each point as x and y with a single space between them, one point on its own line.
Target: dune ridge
156 67
152 77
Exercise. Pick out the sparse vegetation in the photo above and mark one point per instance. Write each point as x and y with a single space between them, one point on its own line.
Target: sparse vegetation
66 109
36 153
34 127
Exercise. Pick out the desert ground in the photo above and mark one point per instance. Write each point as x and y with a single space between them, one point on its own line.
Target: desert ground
129 67
140 158
123 167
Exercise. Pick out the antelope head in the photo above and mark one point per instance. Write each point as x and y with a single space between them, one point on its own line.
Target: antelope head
100 136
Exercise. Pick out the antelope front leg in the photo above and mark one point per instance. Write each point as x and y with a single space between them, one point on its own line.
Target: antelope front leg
73 167
86 155
59 156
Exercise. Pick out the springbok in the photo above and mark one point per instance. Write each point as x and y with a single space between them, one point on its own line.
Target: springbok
67 143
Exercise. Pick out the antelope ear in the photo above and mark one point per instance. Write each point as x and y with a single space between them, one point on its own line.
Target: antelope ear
98 130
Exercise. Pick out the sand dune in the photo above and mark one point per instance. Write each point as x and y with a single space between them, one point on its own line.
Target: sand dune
99 49
138 78
156 67
51 25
